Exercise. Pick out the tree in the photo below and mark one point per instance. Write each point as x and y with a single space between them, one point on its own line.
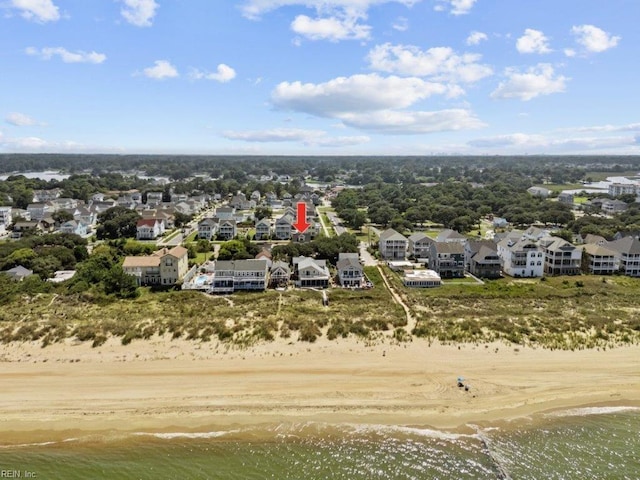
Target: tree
62 216
262 212
117 222
353 218
182 219
119 283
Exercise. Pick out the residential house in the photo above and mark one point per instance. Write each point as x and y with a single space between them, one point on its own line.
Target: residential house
38 211
284 227
539 192
164 267
350 270
74 227
240 202
18 273
612 207
263 229
279 275
227 229
617 189
566 198
521 258
19 213
447 236
419 245
250 274
48 224
149 229
63 203
599 260
255 196
590 238
225 213
234 275
481 259
310 272
207 228
154 198
178 197
560 257
628 255
42 196
22 227
421 279
535 233
447 259
5 215
392 245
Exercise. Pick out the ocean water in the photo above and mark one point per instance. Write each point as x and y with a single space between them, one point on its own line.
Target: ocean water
595 443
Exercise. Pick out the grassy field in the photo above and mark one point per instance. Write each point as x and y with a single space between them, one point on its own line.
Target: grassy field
559 187
238 320
557 313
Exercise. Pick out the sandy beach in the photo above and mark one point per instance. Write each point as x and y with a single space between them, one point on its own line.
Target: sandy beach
177 385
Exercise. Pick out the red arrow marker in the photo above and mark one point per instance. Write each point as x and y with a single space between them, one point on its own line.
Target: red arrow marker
301 221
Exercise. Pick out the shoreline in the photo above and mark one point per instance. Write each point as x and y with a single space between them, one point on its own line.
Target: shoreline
163 386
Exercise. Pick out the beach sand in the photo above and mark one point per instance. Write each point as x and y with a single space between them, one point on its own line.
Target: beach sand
177 385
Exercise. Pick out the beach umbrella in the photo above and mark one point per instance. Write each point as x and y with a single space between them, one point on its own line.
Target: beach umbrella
460 379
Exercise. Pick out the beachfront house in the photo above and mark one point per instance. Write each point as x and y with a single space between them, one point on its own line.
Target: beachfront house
310 273
598 260
419 245
421 279
164 267
350 270
447 259
234 275
560 257
279 274
521 258
482 259
628 255
392 245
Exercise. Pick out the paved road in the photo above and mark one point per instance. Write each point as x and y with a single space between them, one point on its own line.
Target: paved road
336 223
366 257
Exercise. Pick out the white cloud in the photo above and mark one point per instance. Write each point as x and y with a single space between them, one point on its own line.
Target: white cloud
66 56
442 63
254 9
331 28
536 81
162 69
375 103
307 137
594 39
361 93
457 7
413 122
533 41
401 24
37 10
223 74
21 120
570 52
139 12
475 38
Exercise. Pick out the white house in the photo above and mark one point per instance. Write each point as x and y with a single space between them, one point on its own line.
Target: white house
521 258
350 270
310 272
149 229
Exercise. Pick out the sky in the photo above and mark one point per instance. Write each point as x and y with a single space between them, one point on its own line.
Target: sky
320 77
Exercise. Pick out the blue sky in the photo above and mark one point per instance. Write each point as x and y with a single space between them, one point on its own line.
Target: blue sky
320 77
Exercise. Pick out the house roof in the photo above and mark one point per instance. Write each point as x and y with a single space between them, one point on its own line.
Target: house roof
144 261
474 246
590 238
418 236
484 253
252 265
306 262
598 250
449 247
147 222
449 235
556 243
177 251
348 262
18 272
280 266
391 235
628 245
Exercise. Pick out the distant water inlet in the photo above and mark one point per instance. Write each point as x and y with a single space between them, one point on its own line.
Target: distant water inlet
582 445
